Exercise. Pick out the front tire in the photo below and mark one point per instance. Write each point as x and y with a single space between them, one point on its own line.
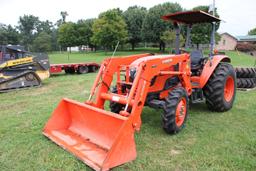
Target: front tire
114 106
220 89
175 111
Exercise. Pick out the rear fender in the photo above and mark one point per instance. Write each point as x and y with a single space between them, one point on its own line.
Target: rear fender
210 66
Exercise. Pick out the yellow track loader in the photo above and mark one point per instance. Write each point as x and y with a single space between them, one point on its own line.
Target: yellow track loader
20 69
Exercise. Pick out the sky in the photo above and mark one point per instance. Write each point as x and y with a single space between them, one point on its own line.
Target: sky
239 15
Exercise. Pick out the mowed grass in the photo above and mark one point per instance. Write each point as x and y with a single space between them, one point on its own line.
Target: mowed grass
210 141
76 57
238 58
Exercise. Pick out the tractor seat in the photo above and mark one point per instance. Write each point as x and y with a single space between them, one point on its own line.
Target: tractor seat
196 58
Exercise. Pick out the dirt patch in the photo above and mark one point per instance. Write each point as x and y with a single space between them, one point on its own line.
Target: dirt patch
18 106
43 89
175 152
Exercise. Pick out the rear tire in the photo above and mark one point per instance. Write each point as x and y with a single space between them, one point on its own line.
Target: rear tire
175 111
220 89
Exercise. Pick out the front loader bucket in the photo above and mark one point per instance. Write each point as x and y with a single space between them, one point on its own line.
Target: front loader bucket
99 138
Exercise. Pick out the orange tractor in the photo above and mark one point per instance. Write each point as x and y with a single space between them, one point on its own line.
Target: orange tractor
105 139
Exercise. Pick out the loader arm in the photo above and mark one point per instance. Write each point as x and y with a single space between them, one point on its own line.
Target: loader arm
105 75
147 67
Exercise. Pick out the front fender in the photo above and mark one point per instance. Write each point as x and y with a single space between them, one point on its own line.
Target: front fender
210 66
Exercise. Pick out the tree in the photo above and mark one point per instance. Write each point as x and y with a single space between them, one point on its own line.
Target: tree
252 32
42 42
134 17
169 38
154 27
54 40
201 33
64 15
27 27
108 29
84 30
3 34
8 35
67 35
44 26
47 27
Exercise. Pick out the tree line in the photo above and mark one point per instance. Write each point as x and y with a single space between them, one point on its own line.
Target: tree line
133 26
252 31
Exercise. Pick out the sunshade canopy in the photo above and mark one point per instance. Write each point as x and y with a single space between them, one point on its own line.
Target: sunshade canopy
191 17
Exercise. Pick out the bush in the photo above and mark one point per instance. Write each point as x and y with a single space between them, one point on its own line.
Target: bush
245 47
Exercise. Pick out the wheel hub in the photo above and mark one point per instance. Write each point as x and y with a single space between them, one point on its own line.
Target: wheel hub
229 89
181 112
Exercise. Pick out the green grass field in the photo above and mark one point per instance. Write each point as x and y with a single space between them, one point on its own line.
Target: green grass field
210 141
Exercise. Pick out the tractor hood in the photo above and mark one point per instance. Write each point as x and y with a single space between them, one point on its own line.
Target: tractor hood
137 62
134 65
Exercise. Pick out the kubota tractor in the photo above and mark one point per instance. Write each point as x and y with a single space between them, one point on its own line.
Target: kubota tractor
104 139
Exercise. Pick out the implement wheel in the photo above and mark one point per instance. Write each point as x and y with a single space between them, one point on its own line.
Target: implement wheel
220 89
70 70
93 68
175 111
83 70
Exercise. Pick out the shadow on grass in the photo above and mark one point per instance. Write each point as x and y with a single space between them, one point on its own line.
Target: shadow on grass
152 117
198 107
60 74
201 109
75 74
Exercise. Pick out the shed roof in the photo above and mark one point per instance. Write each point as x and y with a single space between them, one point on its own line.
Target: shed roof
229 35
248 38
